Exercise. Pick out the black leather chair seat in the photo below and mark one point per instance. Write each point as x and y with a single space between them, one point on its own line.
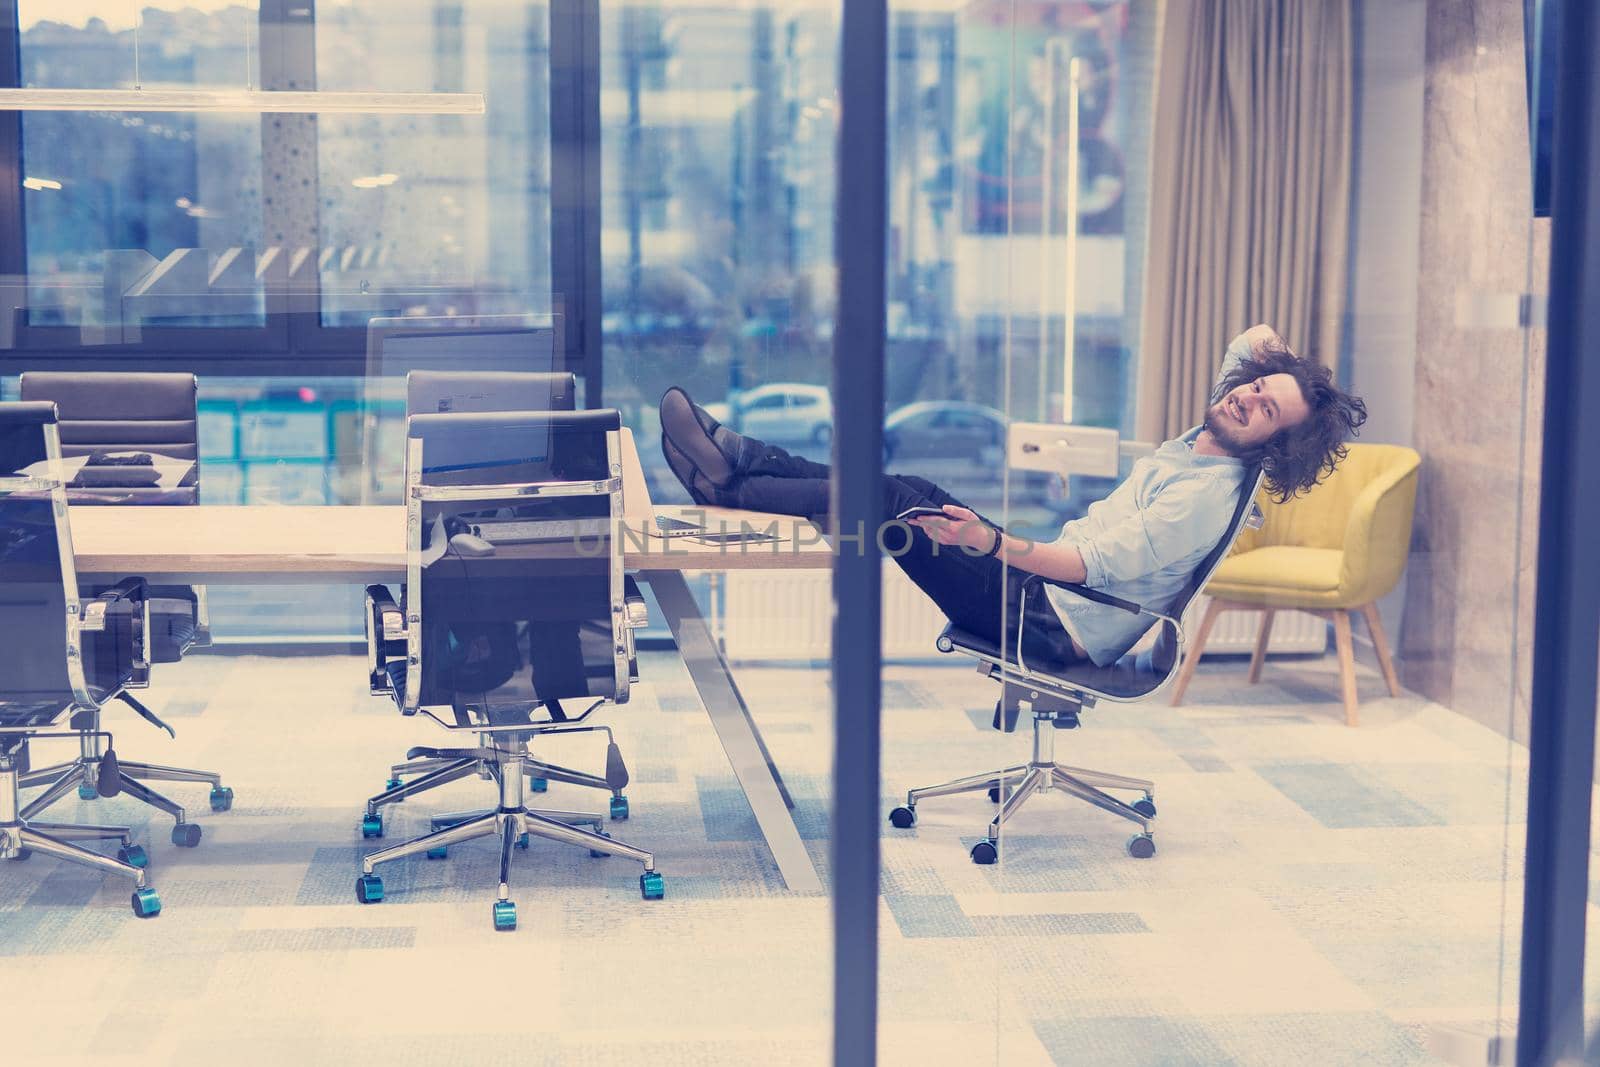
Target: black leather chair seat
1131 677
41 714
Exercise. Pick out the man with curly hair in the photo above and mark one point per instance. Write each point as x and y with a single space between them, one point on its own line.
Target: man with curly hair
1269 409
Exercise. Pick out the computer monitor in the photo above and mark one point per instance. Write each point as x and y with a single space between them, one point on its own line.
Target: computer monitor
397 346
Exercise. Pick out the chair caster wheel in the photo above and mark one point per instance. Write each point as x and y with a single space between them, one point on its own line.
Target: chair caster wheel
619 808
1145 807
505 915
394 783
652 886
522 842
539 785
596 853
994 794
903 818
186 834
23 854
87 791
440 852
369 889
222 798
133 856
146 903
985 853
372 825
1141 846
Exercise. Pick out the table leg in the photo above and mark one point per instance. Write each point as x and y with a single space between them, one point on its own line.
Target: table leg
737 731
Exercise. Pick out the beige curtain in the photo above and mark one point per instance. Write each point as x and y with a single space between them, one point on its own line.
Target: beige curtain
1249 192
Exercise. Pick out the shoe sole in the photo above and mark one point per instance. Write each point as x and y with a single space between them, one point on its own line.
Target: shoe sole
688 471
685 471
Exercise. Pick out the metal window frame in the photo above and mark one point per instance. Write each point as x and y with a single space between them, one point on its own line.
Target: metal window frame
857 493
293 341
1567 598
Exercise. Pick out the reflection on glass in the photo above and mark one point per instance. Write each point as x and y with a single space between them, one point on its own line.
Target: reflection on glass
718 216
435 215
140 219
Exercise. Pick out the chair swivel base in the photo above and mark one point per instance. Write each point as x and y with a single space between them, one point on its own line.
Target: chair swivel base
539 774
513 827
1013 786
89 776
21 837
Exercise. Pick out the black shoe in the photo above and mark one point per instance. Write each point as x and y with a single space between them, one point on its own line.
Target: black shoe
701 491
704 454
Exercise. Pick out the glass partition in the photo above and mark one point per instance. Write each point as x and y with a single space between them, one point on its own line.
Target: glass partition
165 207
1333 776
1277 821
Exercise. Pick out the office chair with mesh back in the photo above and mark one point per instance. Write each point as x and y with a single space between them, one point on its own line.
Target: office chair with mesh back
111 416
443 392
61 655
1056 694
514 602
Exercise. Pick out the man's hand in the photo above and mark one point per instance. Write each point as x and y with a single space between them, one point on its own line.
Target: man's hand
958 526
1260 334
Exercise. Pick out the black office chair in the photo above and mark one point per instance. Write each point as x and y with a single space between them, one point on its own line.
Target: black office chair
60 654
1056 695
445 392
140 432
514 601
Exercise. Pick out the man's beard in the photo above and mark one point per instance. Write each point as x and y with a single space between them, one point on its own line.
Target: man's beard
1221 431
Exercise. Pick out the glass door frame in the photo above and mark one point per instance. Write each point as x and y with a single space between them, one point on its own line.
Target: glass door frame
1567 597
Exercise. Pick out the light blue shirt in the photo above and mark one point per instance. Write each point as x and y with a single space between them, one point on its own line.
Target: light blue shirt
1143 542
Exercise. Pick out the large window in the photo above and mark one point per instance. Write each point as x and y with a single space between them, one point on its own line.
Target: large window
140 220
719 127
435 214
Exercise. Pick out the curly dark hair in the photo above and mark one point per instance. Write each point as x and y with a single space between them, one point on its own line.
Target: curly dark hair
1296 459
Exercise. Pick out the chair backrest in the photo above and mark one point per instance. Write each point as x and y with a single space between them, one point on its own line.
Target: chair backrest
514 570
439 392
45 665
1143 672
1320 518
1151 665
101 412
1208 566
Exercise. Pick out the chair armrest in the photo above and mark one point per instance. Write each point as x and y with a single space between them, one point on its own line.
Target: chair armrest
385 624
1377 538
136 589
638 610
117 621
1088 594
93 611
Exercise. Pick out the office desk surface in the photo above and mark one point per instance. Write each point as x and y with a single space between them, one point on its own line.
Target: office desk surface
268 544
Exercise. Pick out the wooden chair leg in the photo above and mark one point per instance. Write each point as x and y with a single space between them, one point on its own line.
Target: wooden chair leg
1380 641
1347 666
1192 657
1262 636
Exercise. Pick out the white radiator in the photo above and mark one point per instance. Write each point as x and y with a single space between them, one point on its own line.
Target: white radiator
1235 631
787 615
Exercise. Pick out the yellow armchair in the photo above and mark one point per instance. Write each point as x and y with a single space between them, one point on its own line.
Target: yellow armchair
1336 549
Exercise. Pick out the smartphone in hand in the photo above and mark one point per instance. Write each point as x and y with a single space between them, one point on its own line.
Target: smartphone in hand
921 512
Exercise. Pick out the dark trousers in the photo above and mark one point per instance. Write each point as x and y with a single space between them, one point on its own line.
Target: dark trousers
975 592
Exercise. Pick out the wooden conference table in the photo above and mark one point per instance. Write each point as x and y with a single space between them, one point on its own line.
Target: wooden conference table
262 544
